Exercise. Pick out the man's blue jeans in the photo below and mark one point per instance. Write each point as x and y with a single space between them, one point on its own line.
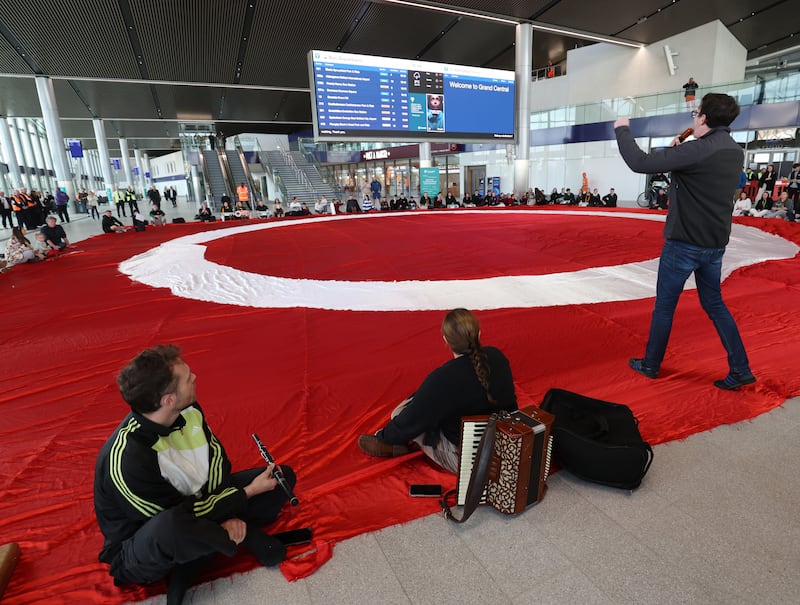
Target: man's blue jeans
678 261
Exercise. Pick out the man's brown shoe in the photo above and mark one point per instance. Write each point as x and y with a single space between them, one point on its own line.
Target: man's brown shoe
372 446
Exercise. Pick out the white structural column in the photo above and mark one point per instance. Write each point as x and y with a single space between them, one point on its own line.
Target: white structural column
147 170
425 156
9 154
48 158
30 157
196 183
126 161
141 185
25 181
105 159
523 63
41 161
55 140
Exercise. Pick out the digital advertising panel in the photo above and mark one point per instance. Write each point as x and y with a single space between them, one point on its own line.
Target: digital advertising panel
366 98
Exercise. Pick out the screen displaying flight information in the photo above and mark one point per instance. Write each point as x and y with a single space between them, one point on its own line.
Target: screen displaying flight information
360 97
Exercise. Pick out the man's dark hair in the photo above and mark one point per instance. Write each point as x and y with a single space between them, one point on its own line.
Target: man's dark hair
719 109
148 377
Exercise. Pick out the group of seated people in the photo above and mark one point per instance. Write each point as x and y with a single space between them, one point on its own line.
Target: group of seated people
765 206
49 241
532 197
111 224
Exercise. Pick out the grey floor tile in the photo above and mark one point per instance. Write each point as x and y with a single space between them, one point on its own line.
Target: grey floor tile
569 586
358 573
434 565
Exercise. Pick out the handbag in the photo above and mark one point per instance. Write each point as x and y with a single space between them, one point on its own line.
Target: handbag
597 440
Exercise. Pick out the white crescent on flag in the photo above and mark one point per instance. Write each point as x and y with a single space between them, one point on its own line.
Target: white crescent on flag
181 266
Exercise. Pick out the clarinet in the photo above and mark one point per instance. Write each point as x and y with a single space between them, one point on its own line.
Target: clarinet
276 472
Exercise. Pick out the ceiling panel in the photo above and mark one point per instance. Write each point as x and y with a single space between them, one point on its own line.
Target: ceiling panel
10 61
186 42
487 40
282 36
410 31
72 37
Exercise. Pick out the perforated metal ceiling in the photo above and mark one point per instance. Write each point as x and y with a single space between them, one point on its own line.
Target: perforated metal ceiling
265 43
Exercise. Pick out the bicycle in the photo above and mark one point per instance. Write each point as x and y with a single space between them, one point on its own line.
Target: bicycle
647 198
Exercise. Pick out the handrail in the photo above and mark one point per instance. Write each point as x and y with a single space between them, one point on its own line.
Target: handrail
755 91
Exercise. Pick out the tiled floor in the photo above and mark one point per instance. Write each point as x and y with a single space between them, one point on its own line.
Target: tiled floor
713 522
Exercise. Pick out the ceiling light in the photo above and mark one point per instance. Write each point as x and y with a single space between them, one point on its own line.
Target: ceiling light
453 11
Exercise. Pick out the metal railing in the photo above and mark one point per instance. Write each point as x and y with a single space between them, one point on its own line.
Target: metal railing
755 91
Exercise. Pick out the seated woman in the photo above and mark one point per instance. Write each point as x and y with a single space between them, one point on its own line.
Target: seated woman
205 215
241 211
476 381
743 205
19 249
277 208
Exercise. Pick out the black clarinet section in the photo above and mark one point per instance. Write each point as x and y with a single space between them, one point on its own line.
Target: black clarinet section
276 472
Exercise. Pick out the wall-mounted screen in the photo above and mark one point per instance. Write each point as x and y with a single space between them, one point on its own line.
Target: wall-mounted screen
360 97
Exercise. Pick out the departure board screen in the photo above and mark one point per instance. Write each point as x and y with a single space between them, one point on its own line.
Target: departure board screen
360 97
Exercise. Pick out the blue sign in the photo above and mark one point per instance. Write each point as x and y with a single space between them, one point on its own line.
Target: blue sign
136 170
495 181
75 149
116 162
147 175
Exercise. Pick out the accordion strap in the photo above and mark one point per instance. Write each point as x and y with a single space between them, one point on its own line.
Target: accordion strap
479 477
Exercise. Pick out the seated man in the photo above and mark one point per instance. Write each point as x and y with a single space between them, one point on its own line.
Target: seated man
54 235
610 199
261 209
295 208
112 224
661 201
139 223
164 494
157 216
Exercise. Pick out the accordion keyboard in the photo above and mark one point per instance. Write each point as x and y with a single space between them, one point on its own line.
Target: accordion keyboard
471 433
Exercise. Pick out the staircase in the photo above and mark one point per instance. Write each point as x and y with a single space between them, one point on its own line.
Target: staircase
320 186
237 170
299 180
216 185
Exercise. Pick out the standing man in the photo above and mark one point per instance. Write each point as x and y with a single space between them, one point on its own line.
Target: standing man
705 173
132 199
119 201
165 498
62 205
5 211
243 195
793 188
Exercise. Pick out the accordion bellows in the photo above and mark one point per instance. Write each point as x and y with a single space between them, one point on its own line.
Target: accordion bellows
521 459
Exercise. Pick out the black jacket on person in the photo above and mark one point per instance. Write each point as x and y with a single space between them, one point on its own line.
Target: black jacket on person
705 173
448 393
129 488
108 222
610 200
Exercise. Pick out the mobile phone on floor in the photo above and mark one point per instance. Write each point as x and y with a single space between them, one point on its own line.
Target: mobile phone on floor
294 536
429 490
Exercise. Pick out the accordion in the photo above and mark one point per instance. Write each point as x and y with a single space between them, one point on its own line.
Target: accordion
521 459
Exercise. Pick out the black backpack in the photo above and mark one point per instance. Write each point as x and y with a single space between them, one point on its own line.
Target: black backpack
597 440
